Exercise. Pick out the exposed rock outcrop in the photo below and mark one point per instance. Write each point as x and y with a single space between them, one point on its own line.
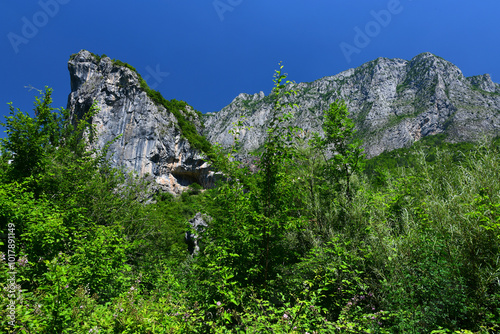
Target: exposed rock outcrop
193 237
151 142
394 103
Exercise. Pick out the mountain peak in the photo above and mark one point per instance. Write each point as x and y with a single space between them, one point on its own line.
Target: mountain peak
394 103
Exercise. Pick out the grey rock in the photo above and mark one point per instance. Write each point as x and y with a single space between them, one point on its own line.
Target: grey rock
150 142
193 237
394 103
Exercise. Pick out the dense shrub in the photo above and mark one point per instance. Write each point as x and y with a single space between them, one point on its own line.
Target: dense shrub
306 244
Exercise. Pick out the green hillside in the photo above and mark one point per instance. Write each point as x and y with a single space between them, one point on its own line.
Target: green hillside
407 242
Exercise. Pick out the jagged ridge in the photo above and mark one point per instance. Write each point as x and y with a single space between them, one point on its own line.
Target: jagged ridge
394 103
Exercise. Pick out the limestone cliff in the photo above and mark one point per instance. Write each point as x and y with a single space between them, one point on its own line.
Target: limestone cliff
152 141
394 103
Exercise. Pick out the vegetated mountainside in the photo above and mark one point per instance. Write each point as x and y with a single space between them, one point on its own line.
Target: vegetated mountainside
158 138
394 103
303 244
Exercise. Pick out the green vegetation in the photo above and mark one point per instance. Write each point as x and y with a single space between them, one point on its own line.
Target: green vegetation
408 157
402 87
484 92
309 242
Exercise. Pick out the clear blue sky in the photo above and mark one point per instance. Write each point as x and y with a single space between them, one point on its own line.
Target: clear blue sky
207 52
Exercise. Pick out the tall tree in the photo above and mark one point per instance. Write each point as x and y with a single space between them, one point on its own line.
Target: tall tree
343 154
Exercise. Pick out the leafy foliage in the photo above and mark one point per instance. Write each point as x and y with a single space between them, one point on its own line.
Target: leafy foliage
261 211
347 157
303 242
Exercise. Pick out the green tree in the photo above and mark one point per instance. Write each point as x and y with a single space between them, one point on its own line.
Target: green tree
342 154
255 213
280 211
42 148
58 191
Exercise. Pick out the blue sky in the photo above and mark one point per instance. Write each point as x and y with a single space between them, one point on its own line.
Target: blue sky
207 52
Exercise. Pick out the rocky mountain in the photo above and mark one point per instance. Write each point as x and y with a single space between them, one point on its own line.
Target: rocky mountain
394 103
158 138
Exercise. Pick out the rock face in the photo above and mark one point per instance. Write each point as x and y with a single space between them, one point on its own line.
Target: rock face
151 141
394 103
193 237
